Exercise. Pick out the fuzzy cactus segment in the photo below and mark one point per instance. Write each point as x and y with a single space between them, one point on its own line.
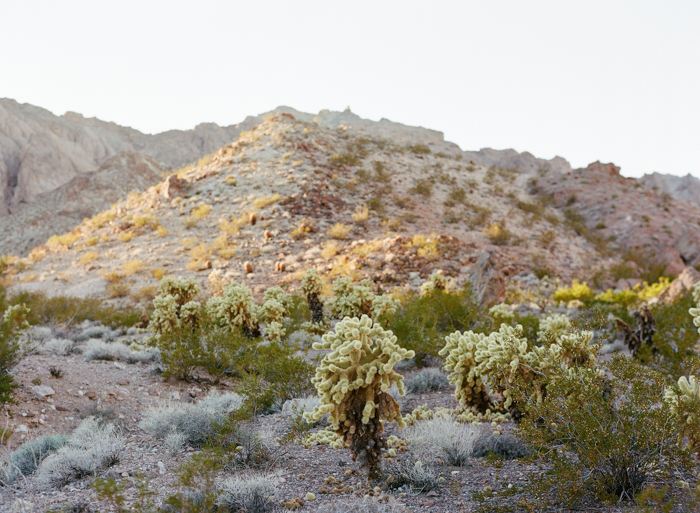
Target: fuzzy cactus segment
352 383
183 290
695 312
384 307
496 362
350 299
552 328
460 358
311 286
436 281
235 309
281 296
684 402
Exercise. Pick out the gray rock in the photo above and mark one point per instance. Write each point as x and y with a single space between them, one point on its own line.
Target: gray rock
42 392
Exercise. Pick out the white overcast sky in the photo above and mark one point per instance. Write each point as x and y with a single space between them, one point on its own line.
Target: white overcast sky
616 81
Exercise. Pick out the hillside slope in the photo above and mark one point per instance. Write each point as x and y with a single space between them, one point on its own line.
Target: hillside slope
265 207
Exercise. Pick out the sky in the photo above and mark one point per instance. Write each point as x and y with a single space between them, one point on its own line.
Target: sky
615 81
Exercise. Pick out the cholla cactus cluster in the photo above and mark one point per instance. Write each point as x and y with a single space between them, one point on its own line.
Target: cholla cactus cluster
500 359
552 328
273 311
311 286
174 307
356 299
501 312
352 383
695 312
235 309
684 400
436 281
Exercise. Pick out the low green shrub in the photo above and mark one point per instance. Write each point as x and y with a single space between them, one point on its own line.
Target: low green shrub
423 321
603 436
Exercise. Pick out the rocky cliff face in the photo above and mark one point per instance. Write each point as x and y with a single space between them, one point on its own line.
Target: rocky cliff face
680 187
40 152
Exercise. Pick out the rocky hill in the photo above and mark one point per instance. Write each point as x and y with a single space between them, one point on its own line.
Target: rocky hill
369 199
680 187
40 151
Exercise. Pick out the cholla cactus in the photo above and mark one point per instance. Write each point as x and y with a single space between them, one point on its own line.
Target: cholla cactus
684 400
184 290
460 352
280 295
501 313
695 312
352 383
174 308
235 309
552 328
505 357
436 281
312 285
350 299
383 307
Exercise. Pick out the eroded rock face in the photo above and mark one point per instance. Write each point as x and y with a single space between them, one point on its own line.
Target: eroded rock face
40 152
63 208
679 187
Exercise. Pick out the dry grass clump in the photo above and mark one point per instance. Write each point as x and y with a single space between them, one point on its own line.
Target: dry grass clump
162 231
361 215
91 241
117 290
58 243
232 227
265 201
330 249
197 215
141 221
126 236
133 267
113 276
504 446
145 293
498 234
88 258
158 273
427 246
339 231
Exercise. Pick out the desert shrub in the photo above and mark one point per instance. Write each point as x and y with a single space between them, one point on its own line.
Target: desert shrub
427 247
28 456
266 201
441 438
54 310
100 350
427 380
500 445
91 449
365 505
361 215
674 339
339 231
251 495
352 383
14 319
577 290
57 347
413 475
498 234
422 321
190 424
605 436
277 375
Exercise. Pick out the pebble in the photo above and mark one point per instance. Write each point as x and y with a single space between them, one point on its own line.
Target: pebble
161 467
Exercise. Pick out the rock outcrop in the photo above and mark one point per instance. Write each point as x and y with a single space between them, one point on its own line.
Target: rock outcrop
680 187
